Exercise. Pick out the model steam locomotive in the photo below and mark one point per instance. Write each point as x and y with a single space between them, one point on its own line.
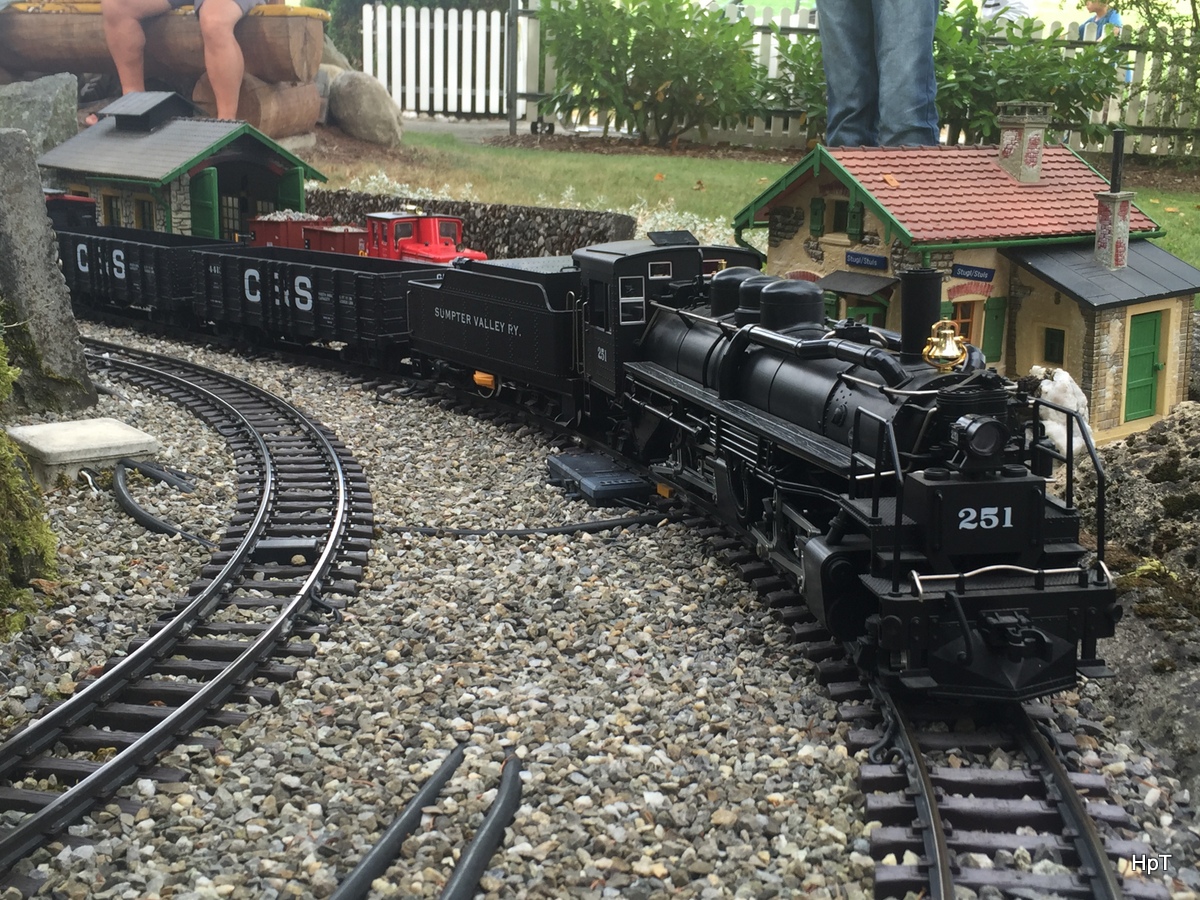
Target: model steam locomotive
895 480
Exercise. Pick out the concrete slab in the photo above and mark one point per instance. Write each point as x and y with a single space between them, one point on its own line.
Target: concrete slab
63 448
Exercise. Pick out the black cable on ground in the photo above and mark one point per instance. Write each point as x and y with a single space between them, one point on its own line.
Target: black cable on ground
464 880
572 528
377 860
146 519
173 477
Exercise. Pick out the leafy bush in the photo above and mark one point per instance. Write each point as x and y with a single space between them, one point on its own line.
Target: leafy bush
663 67
976 72
800 84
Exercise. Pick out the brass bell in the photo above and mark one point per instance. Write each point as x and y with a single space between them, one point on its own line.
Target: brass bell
945 347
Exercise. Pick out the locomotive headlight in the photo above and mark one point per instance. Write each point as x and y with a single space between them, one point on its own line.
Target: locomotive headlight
979 436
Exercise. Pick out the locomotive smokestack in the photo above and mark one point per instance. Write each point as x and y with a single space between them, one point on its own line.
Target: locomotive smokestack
921 308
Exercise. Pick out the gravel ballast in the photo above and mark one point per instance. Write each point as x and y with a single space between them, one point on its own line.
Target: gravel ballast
672 743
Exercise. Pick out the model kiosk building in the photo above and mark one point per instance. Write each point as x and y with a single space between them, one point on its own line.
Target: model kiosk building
1043 263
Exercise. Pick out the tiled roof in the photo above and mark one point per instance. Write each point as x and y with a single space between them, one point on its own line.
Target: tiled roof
955 193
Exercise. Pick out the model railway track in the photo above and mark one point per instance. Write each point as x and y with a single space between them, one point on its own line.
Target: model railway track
980 798
301 531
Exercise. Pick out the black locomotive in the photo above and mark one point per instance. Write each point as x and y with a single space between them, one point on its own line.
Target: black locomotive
895 480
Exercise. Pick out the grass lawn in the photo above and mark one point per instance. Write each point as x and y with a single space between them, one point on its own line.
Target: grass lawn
701 187
701 193
1179 215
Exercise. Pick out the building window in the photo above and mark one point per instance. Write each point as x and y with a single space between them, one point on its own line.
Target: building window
143 213
841 216
262 207
112 209
1054 346
231 217
964 317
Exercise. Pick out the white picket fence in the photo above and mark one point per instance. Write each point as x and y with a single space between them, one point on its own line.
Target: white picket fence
455 62
441 60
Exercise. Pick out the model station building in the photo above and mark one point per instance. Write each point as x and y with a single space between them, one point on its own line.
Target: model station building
1044 262
151 163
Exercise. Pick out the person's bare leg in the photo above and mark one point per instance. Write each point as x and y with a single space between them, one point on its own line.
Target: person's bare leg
127 39
223 58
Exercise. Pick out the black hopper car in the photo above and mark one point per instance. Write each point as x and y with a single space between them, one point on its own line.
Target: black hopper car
896 481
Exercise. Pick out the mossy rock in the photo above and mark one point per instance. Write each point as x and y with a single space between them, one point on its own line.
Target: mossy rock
27 543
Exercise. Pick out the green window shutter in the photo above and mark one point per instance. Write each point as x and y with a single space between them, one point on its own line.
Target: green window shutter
854 222
206 219
816 217
831 305
994 309
947 310
291 190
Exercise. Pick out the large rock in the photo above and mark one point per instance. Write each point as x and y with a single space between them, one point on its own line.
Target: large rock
35 309
362 107
331 55
44 108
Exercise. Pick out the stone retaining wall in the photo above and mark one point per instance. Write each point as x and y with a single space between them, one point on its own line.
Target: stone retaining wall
498 230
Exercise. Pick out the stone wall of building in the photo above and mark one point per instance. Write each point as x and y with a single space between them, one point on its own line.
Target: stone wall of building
1104 366
498 230
181 204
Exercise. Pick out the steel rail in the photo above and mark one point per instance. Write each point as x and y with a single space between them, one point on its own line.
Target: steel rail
939 858
1081 828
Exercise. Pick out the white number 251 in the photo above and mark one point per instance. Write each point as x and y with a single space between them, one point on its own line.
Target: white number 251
970 518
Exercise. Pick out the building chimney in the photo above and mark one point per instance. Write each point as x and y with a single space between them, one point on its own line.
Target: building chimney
1022 137
1112 213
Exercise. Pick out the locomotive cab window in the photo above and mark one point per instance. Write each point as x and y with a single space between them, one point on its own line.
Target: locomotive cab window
404 230
598 304
448 230
660 270
633 299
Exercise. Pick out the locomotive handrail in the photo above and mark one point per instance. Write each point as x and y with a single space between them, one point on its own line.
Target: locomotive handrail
920 581
887 389
1075 419
885 434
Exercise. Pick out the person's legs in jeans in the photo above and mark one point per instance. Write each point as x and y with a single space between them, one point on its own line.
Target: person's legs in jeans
852 80
907 82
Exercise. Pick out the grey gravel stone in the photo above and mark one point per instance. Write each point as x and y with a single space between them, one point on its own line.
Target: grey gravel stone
671 744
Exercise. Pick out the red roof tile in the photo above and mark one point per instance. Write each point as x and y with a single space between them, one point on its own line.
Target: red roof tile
960 193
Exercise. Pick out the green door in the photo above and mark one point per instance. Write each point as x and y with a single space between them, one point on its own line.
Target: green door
205 221
1141 384
993 327
291 190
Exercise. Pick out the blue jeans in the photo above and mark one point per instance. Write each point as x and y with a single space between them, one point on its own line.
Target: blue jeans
878 57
